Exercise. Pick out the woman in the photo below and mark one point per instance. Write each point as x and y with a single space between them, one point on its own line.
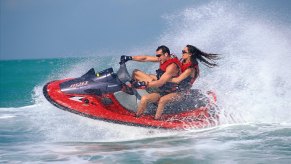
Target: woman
189 73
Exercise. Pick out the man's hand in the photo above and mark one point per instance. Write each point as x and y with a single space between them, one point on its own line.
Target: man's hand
124 59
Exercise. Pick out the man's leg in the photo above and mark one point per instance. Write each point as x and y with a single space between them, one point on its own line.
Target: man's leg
153 97
141 76
164 100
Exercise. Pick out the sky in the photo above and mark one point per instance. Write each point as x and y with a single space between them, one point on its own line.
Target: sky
34 29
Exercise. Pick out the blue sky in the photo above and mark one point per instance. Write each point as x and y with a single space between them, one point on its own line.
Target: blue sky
66 28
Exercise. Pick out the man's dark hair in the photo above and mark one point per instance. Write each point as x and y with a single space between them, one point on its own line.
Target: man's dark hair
164 49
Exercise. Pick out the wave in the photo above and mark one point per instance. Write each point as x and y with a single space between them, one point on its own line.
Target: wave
252 80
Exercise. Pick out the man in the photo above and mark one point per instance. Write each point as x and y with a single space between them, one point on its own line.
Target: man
169 68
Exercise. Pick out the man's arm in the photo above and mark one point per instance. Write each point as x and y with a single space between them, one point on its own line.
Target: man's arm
167 76
141 58
144 58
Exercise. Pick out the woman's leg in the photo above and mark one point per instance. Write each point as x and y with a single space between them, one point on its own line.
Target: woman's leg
164 100
153 97
141 76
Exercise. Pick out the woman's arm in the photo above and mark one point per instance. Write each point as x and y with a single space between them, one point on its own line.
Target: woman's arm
183 76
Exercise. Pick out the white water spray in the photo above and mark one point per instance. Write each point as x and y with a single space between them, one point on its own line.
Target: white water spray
253 80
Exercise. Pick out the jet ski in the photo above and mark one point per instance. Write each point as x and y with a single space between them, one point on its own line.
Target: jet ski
106 96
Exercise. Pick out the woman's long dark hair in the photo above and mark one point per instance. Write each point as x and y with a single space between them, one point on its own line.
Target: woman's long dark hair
207 59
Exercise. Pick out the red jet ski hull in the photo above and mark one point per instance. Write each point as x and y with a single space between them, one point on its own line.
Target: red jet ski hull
107 108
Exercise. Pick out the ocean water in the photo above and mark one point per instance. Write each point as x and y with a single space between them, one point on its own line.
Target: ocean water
253 84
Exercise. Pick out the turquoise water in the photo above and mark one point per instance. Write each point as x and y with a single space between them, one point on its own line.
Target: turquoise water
19 77
252 83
